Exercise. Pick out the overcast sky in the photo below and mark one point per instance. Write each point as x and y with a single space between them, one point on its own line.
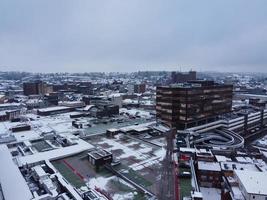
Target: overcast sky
132 35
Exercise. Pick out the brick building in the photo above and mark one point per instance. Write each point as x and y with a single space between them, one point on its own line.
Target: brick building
193 103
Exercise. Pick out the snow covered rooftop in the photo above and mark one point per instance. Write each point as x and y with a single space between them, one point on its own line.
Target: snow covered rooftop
210 193
161 128
209 166
237 194
56 153
9 105
138 128
187 150
220 158
244 159
253 182
230 166
55 108
136 112
12 182
115 95
88 107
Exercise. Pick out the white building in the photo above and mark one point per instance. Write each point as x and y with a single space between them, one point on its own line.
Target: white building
130 88
116 100
72 104
252 184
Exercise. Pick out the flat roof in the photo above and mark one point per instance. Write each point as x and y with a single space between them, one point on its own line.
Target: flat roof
251 95
209 166
12 182
220 158
253 182
55 108
88 107
210 193
10 104
39 170
113 130
187 150
230 166
98 153
195 84
56 153
244 159
138 128
102 128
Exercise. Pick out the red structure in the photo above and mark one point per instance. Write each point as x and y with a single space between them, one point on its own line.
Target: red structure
74 170
168 188
177 182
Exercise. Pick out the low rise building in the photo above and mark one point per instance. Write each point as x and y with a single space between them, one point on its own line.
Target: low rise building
252 184
99 157
54 110
209 174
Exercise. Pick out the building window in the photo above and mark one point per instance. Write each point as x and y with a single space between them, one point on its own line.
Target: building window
203 178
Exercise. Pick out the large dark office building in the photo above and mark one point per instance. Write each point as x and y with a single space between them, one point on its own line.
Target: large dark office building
181 77
139 88
34 87
77 87
193 103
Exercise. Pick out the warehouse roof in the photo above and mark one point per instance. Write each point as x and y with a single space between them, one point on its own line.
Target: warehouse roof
56 153
11 179
55 108
209 166
253 182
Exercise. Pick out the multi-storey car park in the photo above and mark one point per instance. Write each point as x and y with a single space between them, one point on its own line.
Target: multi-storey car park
225 144
230 130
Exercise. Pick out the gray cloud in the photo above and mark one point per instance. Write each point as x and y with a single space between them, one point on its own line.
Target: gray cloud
119 35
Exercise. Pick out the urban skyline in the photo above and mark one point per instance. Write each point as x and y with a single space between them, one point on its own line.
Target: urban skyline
133 100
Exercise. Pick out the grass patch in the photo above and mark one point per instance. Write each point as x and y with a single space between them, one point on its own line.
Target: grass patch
135 177
185 183
104 172
120 186
68 174
185 187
